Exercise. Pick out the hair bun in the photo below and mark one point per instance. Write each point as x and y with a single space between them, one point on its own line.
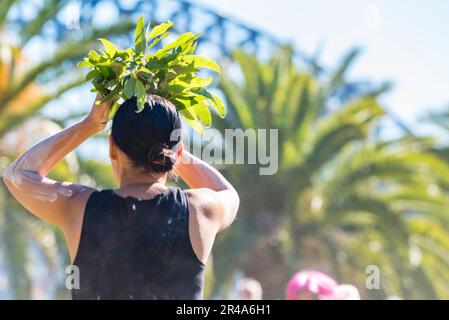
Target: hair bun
161 158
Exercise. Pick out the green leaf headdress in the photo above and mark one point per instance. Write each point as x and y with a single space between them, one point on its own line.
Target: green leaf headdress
170 72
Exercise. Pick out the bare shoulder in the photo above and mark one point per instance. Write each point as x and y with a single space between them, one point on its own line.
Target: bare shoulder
203 201
80 196
78 203
219 207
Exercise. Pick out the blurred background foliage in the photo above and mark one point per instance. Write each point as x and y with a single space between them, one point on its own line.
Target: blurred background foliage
343 197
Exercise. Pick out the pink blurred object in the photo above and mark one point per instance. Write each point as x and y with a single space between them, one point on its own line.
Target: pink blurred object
346 292
312 281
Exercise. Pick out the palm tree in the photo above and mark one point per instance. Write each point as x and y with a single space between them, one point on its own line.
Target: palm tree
24 236
26 240
25 88
441 121
341 200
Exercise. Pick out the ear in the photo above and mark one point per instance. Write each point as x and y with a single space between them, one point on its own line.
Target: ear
179 153
113 154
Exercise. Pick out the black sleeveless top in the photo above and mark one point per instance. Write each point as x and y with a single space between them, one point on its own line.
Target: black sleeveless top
137 249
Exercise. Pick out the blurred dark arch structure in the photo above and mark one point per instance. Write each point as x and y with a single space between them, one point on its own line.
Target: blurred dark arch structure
222 34
186 15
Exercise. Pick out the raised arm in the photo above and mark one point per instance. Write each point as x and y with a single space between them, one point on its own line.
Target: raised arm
210 192
26 176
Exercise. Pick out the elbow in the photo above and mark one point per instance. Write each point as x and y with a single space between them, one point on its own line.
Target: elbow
7 177
10 177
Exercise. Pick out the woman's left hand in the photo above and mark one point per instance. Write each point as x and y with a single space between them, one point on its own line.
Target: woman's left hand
99 114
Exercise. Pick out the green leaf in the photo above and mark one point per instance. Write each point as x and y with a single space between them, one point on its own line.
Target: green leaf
139 89
171 56
155 42
118 68
146 70
158 39
104 54
202 62
141 102
203 92
184 69
159 30
139 36
175 89
123 56
155 65
99 87
195 124
92 75
189 116
195 107
200 82
106 71
192 49
113 94
218 105
93 56
110 47
128 90
164 35
85 63
181 40
203 113
114 109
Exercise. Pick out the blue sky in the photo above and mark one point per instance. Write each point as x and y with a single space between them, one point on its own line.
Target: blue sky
407 43
404 42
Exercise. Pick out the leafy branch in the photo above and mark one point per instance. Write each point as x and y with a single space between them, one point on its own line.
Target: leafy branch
170 72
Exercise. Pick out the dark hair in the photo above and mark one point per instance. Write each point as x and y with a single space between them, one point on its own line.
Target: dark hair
146 136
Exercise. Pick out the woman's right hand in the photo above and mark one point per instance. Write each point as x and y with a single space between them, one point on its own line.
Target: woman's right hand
99 114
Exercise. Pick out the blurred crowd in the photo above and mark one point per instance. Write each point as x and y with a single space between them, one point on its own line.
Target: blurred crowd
304 285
